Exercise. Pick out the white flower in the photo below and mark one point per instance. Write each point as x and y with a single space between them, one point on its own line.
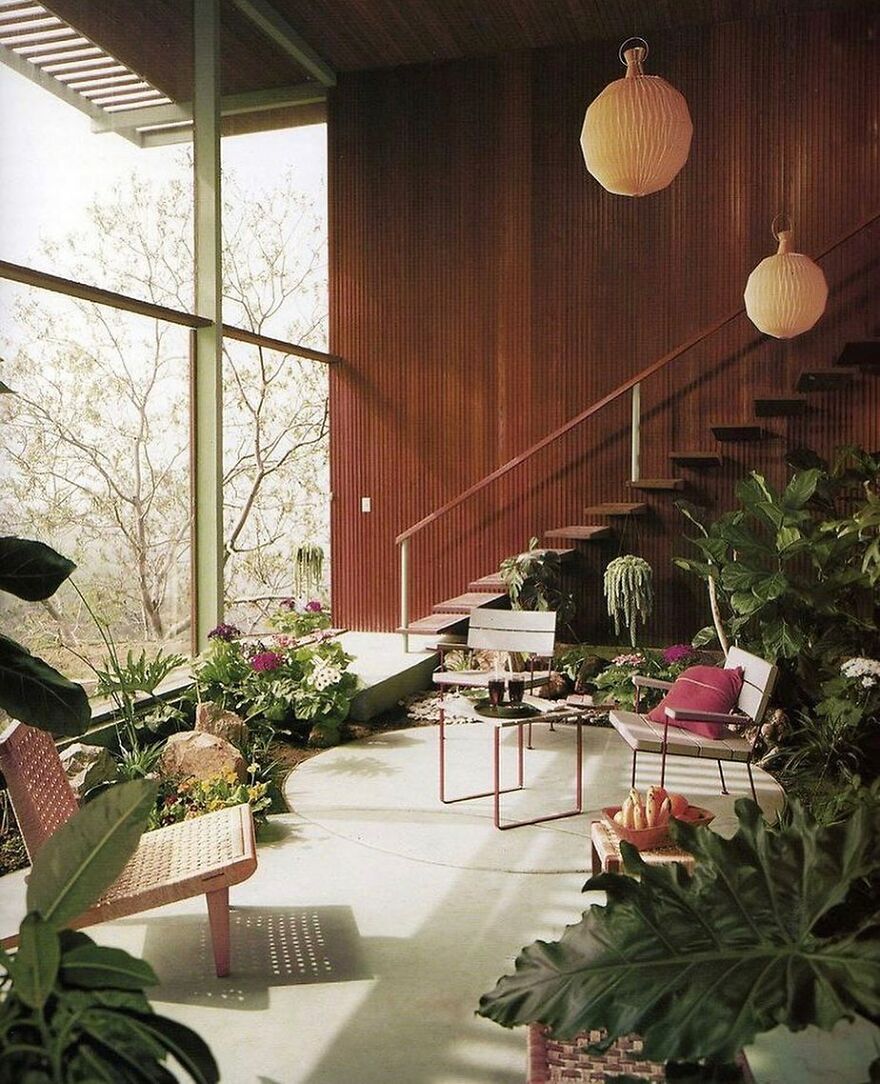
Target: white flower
860 667
324 675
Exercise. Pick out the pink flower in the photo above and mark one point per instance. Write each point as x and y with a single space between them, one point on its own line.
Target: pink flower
266 660
314 607
677 652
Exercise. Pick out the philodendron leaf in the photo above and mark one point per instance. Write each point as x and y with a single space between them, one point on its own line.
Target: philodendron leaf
699 966
4 388
87 853
31 570
36 962
188 1048
96 967
35 693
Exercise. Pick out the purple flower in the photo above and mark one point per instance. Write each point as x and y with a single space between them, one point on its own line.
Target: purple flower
676 653
314 607
287 604
225 632
266 660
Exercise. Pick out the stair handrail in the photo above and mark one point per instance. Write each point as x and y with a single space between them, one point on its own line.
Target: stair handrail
610 397
631 384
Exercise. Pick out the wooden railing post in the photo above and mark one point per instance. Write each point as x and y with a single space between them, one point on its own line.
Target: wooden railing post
404 590
635 435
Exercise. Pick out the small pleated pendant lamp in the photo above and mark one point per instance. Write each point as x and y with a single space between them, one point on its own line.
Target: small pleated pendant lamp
786 293
637 132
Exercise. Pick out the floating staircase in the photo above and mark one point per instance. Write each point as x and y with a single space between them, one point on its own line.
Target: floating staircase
447 625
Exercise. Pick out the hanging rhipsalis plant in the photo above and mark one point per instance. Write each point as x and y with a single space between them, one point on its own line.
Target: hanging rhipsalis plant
629 592
308 568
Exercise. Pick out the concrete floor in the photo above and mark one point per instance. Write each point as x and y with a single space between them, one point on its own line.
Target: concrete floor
377 917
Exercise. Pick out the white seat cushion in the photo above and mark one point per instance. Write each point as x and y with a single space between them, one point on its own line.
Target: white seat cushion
645 736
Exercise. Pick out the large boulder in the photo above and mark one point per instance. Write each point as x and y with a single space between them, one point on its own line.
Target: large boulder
87 765
196 753
212 719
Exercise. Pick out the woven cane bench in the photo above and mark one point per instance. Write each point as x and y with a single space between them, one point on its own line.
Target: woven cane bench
607 858
551 1061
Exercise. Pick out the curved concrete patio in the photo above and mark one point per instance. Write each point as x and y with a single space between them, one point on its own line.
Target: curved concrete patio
377 917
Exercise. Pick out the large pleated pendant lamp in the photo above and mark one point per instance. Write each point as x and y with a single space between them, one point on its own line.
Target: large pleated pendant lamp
787 292
637 132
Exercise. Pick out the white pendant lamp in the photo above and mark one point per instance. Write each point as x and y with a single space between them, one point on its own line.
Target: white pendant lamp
637 132
786 293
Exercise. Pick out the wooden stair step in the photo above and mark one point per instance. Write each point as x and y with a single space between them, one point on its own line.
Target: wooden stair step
824 380
434 623
696 459
735 431
864 356
492 582
463 604
580 532
617 508
656 483
780 408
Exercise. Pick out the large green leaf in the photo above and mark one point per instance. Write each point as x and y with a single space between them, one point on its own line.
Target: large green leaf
97 967
31 570
699 966
801 488
36 962
35 693
188 1048
87 853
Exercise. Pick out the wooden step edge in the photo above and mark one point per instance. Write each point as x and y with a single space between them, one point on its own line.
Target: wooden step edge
813 380
733 433
769 407
696 459
660 484
433 624
620 509
861 355
473 600
580 532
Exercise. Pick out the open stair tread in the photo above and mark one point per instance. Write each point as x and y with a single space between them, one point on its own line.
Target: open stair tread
696 459
617 508
656 483
824 380
580 532
738 431
471 600
434 623
863 355
779 407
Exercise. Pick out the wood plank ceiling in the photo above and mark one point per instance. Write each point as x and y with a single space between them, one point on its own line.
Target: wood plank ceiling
153 37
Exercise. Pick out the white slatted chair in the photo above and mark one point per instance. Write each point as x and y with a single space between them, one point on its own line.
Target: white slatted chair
524 632
644 736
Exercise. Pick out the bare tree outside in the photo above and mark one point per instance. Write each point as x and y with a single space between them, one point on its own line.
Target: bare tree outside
95 443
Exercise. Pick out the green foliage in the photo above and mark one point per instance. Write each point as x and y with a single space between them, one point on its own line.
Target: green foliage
629 591
792 586
282 683
180 799
763 934
30 689
71 1010
614 684
308 568
534 582
301 622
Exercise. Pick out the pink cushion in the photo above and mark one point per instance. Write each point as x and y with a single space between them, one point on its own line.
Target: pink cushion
701 688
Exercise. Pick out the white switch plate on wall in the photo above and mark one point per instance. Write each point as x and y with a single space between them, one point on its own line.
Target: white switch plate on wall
366 504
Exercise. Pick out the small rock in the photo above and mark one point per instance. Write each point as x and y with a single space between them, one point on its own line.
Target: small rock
556 687
212 719
196 753
87 765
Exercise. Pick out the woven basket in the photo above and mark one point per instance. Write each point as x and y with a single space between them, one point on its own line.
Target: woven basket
555 1062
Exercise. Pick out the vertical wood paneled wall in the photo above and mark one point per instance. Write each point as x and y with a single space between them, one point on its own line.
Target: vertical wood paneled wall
484 289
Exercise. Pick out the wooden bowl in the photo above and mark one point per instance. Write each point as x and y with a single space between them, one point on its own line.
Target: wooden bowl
646 839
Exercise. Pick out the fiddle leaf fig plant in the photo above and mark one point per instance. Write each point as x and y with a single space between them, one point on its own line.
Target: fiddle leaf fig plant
72 1010
778 925
31 690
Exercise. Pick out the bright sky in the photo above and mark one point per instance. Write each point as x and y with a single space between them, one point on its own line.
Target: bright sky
52 165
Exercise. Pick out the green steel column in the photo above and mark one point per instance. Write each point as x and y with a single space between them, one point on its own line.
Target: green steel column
207 382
